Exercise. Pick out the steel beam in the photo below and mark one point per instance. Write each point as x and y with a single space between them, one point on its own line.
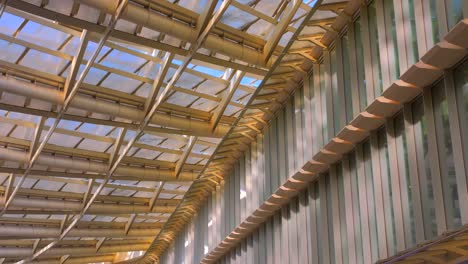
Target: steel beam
165 25
187 126
147 174
67 206
66 104
233 85
15 252
280 28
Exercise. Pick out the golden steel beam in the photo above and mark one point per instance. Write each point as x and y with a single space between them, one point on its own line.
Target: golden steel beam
187 126
76 62
66 105
233 85
279 30
159 80
112 23
165 25
24 9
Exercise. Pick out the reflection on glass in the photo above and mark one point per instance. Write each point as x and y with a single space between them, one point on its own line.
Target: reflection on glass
444 142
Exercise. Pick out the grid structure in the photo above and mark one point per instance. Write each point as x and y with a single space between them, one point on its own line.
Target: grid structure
118 117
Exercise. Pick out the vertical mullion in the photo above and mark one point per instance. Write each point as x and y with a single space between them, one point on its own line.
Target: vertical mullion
395 185
274 155
424 174
386 187
282 162
349 210
302 226
457 143
289 124
307 126
465 9
328 97
382 40
414 171
292 231
262 244
336 215
269 241
442 18
340 86
253 194
237 218
267 165
218 215
435 162
231 197
284 233
256 242
421 34
379 200
371 205
318 129
299 130
311 218
405 202
324 222
428 24
277 237
366 43
210 217
261 169
248 181
401 32
242 186
353 71
361 174
222 209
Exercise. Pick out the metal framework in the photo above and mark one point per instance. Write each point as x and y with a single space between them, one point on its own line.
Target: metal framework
117 117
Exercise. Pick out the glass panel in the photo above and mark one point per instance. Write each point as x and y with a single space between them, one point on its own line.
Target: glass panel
444 142
292 132
375 50
371 200
461 84
348 90
323 96
360 65
330 218
427 193
387 192
390 27
455 13
355 188
319 210
434 21
342 200
274 154
403 167
337 106
413 37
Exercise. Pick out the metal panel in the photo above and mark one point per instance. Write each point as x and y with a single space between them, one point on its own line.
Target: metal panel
414 171
335 211
349 219
456 121
435 162
395 178
363 205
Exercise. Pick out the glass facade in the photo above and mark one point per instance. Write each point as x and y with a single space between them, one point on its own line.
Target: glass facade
397 188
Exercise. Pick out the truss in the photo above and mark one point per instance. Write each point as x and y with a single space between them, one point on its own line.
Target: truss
117 117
